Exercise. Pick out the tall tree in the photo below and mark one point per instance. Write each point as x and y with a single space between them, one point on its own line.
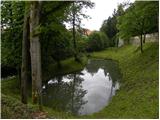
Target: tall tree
74 32
140 18
109 25
25 70
75 15
35 50
55 38
109 28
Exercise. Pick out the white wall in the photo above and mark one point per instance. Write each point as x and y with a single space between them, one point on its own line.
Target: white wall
121 42
154 37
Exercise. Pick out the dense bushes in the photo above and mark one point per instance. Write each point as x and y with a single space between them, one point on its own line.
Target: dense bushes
11 30
97 41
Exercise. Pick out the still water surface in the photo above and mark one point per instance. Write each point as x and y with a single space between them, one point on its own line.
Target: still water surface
84 92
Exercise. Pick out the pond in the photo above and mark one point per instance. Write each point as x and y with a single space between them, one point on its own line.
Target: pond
84 92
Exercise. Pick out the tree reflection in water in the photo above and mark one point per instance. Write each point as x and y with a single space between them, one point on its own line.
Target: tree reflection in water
84 92
110 67
65 93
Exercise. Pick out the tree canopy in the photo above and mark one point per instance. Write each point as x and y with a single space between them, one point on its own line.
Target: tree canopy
139 18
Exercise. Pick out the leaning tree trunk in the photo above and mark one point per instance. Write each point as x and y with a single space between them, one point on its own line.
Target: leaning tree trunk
35 51
25 58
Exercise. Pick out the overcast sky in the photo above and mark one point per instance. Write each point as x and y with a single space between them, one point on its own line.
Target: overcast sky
102 10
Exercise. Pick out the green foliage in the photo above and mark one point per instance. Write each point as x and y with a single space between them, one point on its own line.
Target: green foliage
67 66
105 39
97 41
76 9
81 42
109 25
55 38
139 18
61 46
138 69
12 26
75 15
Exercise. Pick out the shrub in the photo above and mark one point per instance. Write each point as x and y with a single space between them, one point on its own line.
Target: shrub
97 41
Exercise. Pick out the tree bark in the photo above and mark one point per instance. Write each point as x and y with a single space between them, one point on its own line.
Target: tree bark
25 59
141 42
74 34
117 42
141 37
144 38
35 51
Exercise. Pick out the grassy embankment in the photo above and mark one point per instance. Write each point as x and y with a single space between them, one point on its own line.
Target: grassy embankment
138 94
13 108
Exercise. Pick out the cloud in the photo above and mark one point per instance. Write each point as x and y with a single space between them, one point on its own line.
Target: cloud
103 9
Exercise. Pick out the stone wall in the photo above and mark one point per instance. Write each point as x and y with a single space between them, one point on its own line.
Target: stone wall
121 42
154 37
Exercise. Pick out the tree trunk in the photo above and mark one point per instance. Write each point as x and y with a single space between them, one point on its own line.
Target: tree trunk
141 37
144 38
74 34
117 42
19 74
141 42
25 60
35 51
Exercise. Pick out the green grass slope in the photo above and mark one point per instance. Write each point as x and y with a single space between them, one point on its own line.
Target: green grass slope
138 94
137 97
10 88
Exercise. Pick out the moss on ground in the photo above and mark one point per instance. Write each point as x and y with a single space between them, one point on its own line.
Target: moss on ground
137 97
